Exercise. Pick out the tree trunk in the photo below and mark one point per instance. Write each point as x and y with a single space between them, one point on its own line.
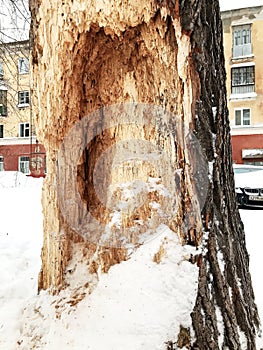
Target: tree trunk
148 76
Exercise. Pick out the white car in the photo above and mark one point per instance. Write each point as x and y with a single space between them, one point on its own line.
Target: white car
249 185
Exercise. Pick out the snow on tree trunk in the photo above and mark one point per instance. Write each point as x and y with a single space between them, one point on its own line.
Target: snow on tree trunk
91 55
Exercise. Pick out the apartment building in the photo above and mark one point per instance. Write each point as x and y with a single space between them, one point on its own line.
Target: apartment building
19 148
243 45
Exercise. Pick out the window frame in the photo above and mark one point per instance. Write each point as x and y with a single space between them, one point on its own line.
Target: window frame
2 72
241 43
242 109
242 79
2 168
24 164
23 65
3 102
23 98
1 131
23 128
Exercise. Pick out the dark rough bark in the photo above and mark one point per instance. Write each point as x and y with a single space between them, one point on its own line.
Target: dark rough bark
221 217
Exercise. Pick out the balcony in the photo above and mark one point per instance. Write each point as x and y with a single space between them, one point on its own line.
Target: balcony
243 89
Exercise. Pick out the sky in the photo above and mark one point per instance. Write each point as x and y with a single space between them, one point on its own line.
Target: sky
14 20
235 4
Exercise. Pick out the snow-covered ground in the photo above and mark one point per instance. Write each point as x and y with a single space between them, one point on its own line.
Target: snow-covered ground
20 246
143 303
252 221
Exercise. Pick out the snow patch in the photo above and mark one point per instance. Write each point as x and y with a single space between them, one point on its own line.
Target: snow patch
139 304
220 324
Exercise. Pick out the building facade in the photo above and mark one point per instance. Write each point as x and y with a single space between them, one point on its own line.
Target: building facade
19 149
243 45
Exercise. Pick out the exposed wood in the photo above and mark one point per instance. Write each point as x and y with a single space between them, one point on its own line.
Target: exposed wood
165 53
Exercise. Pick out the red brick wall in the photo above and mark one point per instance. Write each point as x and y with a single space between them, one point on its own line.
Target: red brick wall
240 142
12 152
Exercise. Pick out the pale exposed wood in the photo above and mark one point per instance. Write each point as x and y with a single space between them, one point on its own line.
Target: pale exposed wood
88 55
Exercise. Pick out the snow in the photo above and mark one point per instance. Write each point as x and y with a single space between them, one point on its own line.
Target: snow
251 179
255 152
138 304
20 244
13 179
247 95
134 306
252 222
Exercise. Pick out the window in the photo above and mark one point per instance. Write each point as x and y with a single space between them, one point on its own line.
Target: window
23 98
23 65
24 130
1 131
1 71
3 103
1 163
256 162
242 41
243 80
242 117
23 164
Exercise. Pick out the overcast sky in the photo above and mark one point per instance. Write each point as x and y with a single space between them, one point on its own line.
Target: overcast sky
14 20
235 4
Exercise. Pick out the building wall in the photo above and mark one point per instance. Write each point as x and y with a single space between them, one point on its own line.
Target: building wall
245 142
15 79
14 82
251 136
13 152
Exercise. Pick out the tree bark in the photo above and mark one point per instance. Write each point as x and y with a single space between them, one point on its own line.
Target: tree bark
87 56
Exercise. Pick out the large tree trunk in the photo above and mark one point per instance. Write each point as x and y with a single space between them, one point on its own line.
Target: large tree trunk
88 55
